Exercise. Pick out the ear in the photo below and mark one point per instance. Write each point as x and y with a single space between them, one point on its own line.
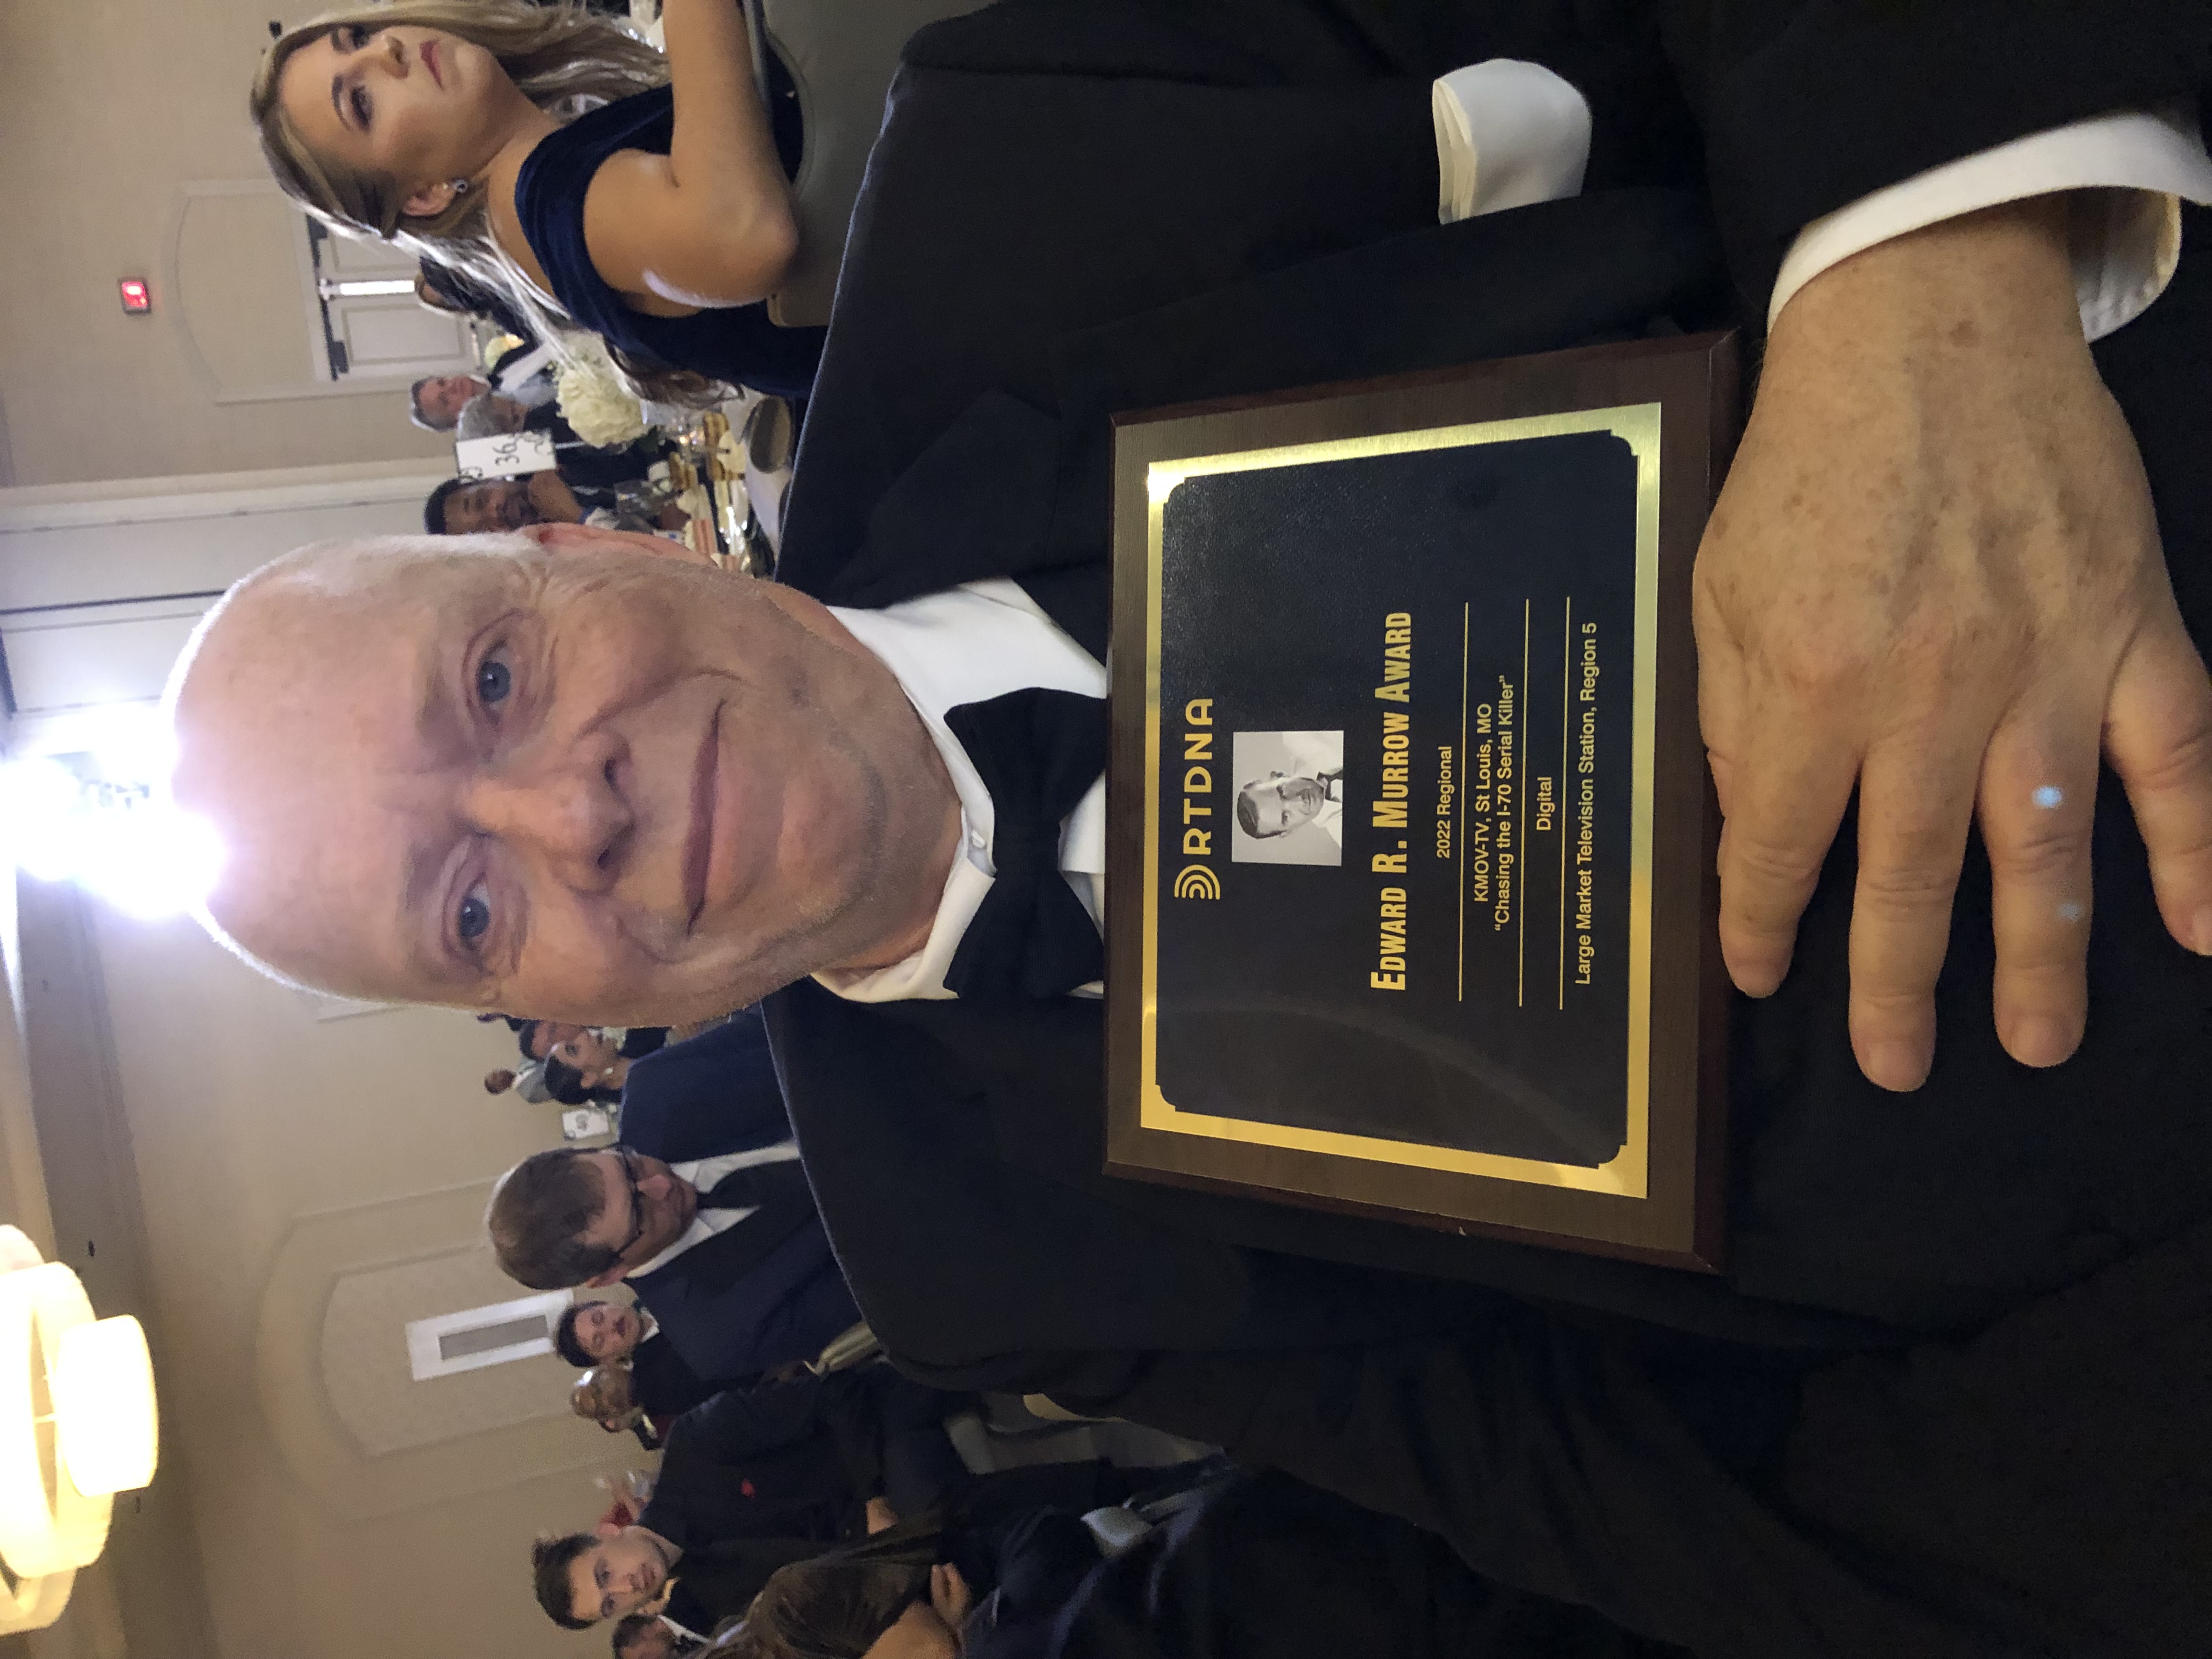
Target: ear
607 1529
428 201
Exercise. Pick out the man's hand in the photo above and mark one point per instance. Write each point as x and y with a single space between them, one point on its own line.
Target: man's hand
882 1517
1934 575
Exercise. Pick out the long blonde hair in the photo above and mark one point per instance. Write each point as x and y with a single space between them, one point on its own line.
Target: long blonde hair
564 59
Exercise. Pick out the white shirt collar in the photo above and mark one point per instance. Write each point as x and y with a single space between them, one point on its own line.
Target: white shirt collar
968 645
703 1173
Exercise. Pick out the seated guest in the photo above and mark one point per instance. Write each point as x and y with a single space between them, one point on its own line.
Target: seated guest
644 1636
596 1058
798 1459
541 1037
581 1578
587 1070
610 1333
494 414
692 222
725 1251
817 1460
434 402
468 507
602 1396
521 380
461 506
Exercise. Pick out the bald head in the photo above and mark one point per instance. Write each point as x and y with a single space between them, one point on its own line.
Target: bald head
275 742
553 771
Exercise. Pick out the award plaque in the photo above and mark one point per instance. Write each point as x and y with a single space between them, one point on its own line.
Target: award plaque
1410 857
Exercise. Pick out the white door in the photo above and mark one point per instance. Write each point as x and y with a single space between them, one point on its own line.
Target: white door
370 322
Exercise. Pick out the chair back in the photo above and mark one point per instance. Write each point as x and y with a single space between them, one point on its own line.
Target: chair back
841 55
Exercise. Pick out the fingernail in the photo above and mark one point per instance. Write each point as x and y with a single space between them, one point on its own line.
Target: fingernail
1899 1066
1756 976
2042 1040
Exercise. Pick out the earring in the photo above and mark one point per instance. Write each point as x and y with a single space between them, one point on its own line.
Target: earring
461 187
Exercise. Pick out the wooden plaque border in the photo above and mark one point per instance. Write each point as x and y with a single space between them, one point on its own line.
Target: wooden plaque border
1679 1221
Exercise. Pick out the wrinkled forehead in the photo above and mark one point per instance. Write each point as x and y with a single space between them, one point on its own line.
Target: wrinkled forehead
306 733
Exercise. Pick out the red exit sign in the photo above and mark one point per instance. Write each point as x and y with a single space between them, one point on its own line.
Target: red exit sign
137 298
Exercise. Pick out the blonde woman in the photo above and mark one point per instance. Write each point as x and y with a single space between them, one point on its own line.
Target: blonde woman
539 150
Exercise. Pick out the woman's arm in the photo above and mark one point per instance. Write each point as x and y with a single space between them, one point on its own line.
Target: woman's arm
710 223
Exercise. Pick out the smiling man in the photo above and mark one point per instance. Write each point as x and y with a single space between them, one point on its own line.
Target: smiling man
613 788
607 788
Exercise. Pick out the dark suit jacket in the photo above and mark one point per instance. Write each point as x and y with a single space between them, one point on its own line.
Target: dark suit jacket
757 1294
1264 1565
786 1460
665 1386
720 1581
713 1093
1058 226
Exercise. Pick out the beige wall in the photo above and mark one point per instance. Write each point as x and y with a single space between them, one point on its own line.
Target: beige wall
252 1176
108 110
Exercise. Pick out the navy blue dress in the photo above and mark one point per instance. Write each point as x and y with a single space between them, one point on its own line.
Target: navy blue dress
739 344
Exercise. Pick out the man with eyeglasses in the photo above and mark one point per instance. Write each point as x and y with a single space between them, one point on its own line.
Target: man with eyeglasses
727 1252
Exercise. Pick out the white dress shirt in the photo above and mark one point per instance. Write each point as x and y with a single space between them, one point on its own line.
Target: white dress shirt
2132 167
703 1173
969 645
1510 133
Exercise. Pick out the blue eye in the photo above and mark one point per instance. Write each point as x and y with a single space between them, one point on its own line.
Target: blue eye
474 920
493 681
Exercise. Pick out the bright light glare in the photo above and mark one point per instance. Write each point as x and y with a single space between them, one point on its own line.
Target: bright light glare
38 804
131 847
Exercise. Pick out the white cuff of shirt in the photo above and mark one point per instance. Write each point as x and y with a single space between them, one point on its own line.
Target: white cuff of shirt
1507 134
2125 233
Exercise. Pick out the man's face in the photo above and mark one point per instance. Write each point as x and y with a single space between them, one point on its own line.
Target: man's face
608 1330
549 1034
589 784
592 1053
644 1207
445 395
617 1575
1283 804
495 504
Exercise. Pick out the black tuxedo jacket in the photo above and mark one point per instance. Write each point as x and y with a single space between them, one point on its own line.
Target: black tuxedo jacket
992 315
1047 237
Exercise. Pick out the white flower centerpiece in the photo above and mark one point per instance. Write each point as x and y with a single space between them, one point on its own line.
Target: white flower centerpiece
593 400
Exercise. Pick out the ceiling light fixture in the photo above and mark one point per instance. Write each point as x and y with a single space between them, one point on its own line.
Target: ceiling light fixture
78 1424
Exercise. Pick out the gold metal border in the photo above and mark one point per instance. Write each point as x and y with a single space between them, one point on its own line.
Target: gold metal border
1627 1174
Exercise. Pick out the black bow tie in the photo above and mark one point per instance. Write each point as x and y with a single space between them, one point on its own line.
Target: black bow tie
757 1186
1038 752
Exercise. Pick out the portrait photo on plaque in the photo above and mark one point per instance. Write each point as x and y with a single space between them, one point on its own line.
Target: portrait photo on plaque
1414 920
1290 798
